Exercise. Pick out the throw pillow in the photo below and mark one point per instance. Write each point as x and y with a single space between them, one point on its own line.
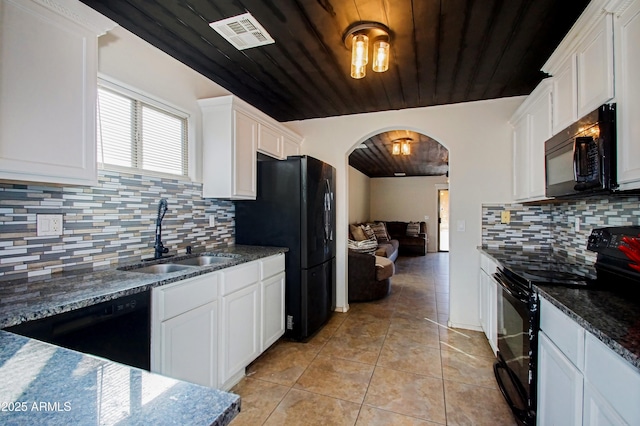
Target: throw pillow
369 232
366 246
357 233
413 229
380 230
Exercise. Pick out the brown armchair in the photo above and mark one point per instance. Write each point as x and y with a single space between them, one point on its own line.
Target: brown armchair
369 277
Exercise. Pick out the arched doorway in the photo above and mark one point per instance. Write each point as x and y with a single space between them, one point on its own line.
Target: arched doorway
403 171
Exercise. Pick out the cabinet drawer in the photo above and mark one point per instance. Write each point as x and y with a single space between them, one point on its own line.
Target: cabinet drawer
487 264
565 333
183 296
271 266
238 277
614 379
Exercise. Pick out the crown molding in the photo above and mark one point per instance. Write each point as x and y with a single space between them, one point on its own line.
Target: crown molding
81 14
591 15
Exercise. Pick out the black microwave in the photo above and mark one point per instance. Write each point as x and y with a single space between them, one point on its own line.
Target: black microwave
581 159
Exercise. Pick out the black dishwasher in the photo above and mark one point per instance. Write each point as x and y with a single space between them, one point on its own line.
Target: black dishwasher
118 330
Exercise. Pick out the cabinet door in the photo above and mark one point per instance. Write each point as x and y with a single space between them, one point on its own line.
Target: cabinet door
628 96
290 147
488 313
189 346
564 95
241 331
48 65
559 387
269 141
540 122
597 412
521 158
244 156
272 310
595 67
613 378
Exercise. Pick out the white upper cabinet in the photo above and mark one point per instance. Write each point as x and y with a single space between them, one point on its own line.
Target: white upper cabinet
531 128
565 110
290 147
627 35
48 64
595 67
233 132
520 157
270 141
582 67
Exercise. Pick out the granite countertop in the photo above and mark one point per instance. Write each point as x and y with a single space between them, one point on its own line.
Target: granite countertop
612 317
46 384
28 299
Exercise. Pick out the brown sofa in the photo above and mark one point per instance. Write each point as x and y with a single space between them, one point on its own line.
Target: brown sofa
408 245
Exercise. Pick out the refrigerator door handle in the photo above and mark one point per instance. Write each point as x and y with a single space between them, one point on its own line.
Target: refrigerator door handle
328 231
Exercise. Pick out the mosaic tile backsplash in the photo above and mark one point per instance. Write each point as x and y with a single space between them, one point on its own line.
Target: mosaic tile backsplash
553 225
105 225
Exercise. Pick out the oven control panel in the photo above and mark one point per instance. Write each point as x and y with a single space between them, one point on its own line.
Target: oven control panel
608 240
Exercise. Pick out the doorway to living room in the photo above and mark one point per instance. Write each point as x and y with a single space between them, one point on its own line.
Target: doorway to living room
443 219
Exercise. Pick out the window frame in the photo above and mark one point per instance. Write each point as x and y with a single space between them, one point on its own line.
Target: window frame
155 103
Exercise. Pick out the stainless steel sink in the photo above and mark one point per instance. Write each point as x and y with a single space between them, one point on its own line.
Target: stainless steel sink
204 260
161 268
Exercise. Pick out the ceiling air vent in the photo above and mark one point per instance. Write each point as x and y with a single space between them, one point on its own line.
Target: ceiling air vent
242 31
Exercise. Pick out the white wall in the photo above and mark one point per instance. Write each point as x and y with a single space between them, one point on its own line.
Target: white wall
476 134
359 196
128 59
478 137
408 199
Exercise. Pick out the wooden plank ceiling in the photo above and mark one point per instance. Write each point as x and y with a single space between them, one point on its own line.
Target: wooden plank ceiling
427 158
442 51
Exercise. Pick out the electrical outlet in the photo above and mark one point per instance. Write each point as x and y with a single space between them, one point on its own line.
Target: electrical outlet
49 225
212 220
505 216
577 224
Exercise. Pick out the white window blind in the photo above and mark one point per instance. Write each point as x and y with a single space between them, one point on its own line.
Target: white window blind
135 134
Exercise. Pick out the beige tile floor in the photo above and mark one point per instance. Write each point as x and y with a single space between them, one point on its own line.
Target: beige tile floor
389 362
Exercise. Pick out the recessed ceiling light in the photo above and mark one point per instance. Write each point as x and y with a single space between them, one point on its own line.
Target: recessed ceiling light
242 31
399 174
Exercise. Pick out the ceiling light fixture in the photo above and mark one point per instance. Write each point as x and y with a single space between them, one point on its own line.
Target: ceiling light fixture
357 38
401 146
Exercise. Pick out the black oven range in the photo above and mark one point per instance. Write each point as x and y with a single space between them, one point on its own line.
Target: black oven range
518 309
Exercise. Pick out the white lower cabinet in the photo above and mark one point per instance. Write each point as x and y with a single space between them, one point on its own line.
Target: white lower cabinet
559 386
488 309
241 333
207 329
614 384
184 330
272 310
190 345
488 301
597 412
581 381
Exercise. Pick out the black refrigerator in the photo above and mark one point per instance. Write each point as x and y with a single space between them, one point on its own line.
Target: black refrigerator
295 208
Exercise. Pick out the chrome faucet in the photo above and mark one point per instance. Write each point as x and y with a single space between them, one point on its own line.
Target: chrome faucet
160 249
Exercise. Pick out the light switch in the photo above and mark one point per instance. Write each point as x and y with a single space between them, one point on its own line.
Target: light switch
461 225
212 220
49 225
505 216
